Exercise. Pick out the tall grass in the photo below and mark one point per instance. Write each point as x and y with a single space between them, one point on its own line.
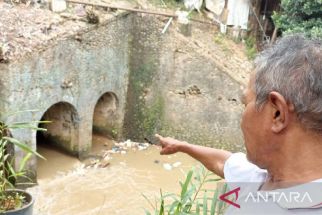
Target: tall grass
196 196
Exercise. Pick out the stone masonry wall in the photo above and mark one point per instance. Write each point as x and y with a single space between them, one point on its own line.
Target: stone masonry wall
74 71
176 92
160 86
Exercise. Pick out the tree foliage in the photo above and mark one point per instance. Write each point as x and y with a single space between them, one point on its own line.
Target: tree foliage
300 16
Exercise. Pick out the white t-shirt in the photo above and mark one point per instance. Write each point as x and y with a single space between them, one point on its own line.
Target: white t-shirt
246 178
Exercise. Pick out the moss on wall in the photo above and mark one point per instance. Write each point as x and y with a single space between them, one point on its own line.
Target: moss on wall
153 116
143 115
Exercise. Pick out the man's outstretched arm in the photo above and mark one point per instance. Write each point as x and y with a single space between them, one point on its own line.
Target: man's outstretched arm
212 159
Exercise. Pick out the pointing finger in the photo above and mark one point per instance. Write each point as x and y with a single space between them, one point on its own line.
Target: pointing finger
158 136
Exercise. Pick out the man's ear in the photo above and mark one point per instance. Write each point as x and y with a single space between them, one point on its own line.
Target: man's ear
279 111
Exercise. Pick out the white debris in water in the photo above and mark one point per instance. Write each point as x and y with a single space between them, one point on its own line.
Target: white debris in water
129 143
167 166
80 170
106 156
111 151
122 147
118 148
142 146
176 164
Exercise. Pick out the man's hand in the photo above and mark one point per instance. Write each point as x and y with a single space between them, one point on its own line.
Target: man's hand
169 145
213 159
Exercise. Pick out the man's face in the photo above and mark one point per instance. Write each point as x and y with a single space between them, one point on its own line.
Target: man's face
256 128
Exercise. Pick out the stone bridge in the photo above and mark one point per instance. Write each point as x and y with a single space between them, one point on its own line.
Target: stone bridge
124 79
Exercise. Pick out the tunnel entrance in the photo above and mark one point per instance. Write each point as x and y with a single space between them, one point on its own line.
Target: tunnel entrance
105 118
59 142
105 122
62 131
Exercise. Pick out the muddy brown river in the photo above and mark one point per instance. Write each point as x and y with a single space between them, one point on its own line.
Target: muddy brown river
67 187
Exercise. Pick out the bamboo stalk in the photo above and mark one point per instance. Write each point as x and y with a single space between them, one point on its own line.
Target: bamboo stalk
123 8
139 11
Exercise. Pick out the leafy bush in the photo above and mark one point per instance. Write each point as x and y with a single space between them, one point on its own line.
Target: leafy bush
8 174
300 16
194 198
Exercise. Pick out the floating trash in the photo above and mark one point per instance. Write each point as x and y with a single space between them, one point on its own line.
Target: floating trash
167 166
118 148
176 164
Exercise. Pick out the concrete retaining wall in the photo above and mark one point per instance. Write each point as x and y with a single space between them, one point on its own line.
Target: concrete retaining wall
75 72
155 89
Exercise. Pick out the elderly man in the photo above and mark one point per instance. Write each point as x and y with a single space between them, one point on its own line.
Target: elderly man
282 128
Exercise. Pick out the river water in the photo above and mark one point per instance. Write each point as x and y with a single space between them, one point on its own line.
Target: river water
66 187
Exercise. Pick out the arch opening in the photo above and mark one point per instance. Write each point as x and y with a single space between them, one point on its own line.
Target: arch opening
62 131
59 142
105 117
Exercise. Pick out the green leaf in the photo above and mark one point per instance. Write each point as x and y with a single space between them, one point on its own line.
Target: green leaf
178 209
205 204
11 170
22 146
24 161
221 203
5 157
174 206
214 202
186 183
147 199
26 126
147 212
161 207
197 208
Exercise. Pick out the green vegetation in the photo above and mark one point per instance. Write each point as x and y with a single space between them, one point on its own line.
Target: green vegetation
300 16
153 115
8 174
250 43
251 50
219 38
114 132
194 198
147 105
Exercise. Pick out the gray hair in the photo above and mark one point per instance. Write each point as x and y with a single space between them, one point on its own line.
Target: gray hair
293 67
